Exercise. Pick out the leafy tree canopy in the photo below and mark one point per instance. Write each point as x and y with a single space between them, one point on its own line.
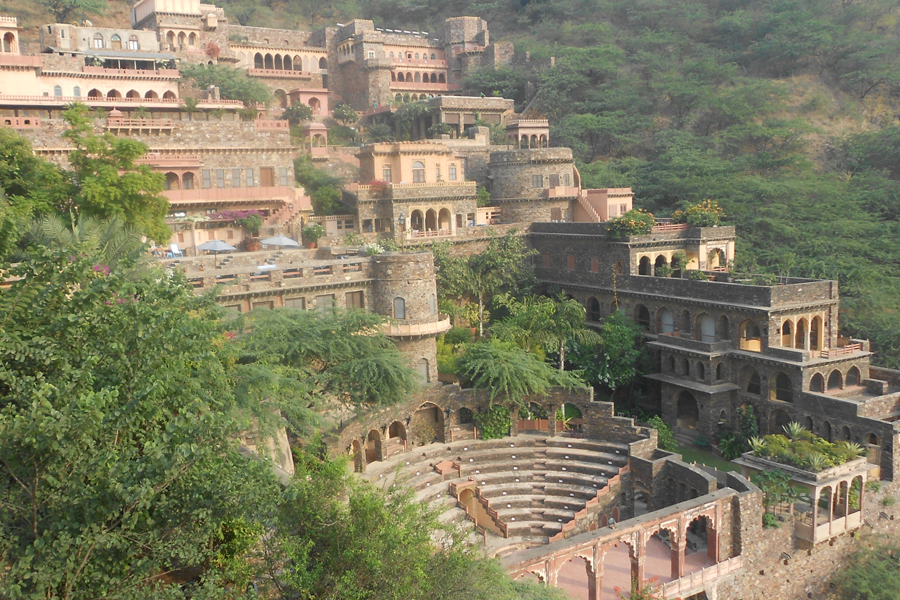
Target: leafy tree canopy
65 11
233 84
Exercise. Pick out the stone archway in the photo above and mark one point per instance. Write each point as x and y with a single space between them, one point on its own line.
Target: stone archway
688 415
358 456
426 426
373 446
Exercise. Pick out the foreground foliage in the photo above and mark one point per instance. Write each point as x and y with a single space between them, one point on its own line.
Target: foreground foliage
873 572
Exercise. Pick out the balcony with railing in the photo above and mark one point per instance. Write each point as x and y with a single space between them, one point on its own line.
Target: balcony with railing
216 194
135 125
400 329
15 60
425 87
561 191
280 73
143 73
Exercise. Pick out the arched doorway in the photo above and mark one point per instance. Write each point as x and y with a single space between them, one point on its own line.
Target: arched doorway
800 335
397 430
569 419
659 266
817 383
315 105
702 547
444 220
422 370
417 221
282 98
533 417
835 381
617 570
574 577
373 446
172 181
688 415
426 425
430 220
852 377
644 266
465 416
778 420
815 334
749 380
723 328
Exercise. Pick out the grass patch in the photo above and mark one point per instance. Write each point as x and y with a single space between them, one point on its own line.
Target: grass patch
709 459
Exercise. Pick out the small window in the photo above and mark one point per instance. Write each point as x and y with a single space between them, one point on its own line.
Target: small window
220 178
98 40
77 92
545 260
452 172
570 262
251 182
295 303
371 54
340 224
283 172
417 56
556 214
57 90
207 181
623 208
325 303
354 300
418 172
432 56
399 308
392 54
565 178
537 181
235 178
437 172
595 264
133 43
386 173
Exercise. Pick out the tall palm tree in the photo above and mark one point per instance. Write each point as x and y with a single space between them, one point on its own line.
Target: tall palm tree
109 241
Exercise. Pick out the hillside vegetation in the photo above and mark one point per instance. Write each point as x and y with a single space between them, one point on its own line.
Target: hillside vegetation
785 111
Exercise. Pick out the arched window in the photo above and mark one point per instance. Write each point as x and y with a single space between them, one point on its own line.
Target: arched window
323 63
278 62
76 92
418 78
170 38
417 56
720 371
269 61
441 78
392 54
750 381
170 95
852 377
95 93
701 371
817 383
57 90
751 336
422 370
399 76
98 40
593 309
670 363
288 65
9 42
659 267
259 61
399 308
115 42
666 321
800 336
816 341
151 95
781 388
192 39
688 410
432 56
723 328
787 334
187 181
418 172
835 380
706 329
133 43
685 367
386 173
642 317
182 38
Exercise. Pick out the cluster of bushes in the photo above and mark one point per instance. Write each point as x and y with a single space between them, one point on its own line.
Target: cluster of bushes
634 222
804 449
707 213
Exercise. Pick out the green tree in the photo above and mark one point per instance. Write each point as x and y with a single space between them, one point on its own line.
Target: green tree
233 84
509 372
117 429
107 241
297 113
340 354
503 266
64 10
311 177
110 182
326 200
345 114
379 132
615 362
872 571
340 538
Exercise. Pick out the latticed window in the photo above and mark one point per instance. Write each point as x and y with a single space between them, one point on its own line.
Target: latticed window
452 172
98 40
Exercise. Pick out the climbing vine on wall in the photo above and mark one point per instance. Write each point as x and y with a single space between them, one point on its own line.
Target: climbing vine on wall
494 423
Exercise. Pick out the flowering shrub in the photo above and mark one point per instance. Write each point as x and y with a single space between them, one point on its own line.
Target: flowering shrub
634 222
703 214
251 220
379 187
373 248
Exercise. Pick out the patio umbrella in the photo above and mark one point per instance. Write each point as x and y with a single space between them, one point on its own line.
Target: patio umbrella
216 246
280 240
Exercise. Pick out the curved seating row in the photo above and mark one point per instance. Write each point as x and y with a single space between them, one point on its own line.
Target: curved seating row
535 484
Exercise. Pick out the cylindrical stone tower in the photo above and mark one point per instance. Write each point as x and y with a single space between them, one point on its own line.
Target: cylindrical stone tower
405 289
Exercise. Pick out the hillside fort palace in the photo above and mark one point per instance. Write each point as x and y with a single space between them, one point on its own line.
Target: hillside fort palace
588 504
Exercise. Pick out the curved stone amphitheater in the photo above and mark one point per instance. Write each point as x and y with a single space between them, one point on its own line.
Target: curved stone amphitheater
587 504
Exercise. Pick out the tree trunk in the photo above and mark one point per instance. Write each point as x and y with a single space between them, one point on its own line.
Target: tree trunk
480 315
562 356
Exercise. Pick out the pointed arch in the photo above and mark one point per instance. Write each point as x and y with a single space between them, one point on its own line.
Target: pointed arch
835 380
817 383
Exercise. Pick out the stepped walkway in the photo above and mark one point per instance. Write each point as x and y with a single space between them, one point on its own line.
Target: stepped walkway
518 491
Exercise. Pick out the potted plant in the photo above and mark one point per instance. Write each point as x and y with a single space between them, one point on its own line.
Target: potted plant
312 234
251 222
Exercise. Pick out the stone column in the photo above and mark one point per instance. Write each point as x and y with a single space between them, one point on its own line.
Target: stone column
552 572
551 420
514 422
637 562
847 500
595 579
679 548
